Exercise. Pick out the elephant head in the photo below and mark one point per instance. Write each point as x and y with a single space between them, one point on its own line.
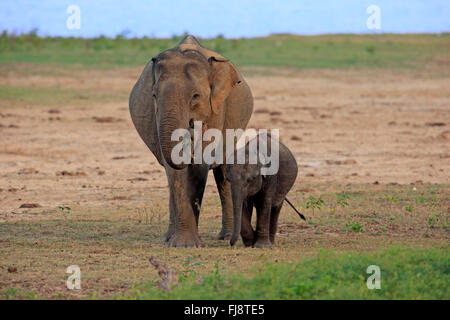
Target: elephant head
189 83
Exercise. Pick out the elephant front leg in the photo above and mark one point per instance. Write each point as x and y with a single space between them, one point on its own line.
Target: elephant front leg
185 196
224 188
171 229
247 232
197 176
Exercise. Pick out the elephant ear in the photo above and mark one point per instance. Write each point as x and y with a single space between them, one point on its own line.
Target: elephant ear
224 77
142 111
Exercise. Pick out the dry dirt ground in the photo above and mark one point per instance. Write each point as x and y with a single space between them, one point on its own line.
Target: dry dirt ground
377 132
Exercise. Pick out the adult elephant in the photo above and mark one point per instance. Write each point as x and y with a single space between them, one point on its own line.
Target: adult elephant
177 87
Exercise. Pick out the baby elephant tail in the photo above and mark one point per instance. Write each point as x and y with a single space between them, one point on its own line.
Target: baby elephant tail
301 216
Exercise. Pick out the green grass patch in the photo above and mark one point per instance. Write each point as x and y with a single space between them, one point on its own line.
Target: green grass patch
323 51
406 273
54 96
80 230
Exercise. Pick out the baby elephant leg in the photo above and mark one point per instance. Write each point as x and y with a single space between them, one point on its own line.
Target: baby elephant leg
274 214
247 232
262 225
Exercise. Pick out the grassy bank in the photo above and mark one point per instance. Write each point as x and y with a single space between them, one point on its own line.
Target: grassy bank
324 51
112 246
406 273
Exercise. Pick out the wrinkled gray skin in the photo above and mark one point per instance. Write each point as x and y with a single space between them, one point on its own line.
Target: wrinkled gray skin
266 193
181 85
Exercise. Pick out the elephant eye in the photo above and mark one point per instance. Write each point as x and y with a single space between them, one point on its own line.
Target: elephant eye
195 102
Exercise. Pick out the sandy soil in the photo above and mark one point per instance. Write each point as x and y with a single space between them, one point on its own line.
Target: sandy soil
342 126
348 130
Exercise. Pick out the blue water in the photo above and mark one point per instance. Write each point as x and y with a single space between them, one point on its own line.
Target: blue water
231 18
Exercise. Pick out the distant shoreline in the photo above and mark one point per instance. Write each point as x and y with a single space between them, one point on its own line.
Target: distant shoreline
219 36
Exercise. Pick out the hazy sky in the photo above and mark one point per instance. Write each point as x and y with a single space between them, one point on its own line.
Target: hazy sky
232 18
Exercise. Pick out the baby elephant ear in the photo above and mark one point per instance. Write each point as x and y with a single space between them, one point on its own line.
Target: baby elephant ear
223 78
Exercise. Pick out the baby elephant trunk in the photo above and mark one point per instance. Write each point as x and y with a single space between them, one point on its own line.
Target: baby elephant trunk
237 215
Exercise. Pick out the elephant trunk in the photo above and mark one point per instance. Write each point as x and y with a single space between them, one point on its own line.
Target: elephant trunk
237 214
168 123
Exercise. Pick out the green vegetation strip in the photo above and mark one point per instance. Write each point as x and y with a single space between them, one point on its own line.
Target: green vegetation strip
324 51
56 96
406 273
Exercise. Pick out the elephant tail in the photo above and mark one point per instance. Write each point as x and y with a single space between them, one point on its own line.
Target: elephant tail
300 215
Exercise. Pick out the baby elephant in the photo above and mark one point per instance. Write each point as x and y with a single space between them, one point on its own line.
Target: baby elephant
266 193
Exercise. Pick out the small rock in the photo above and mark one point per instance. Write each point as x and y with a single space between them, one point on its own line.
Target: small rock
30 205
435 124
69 173
12 269
137 179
